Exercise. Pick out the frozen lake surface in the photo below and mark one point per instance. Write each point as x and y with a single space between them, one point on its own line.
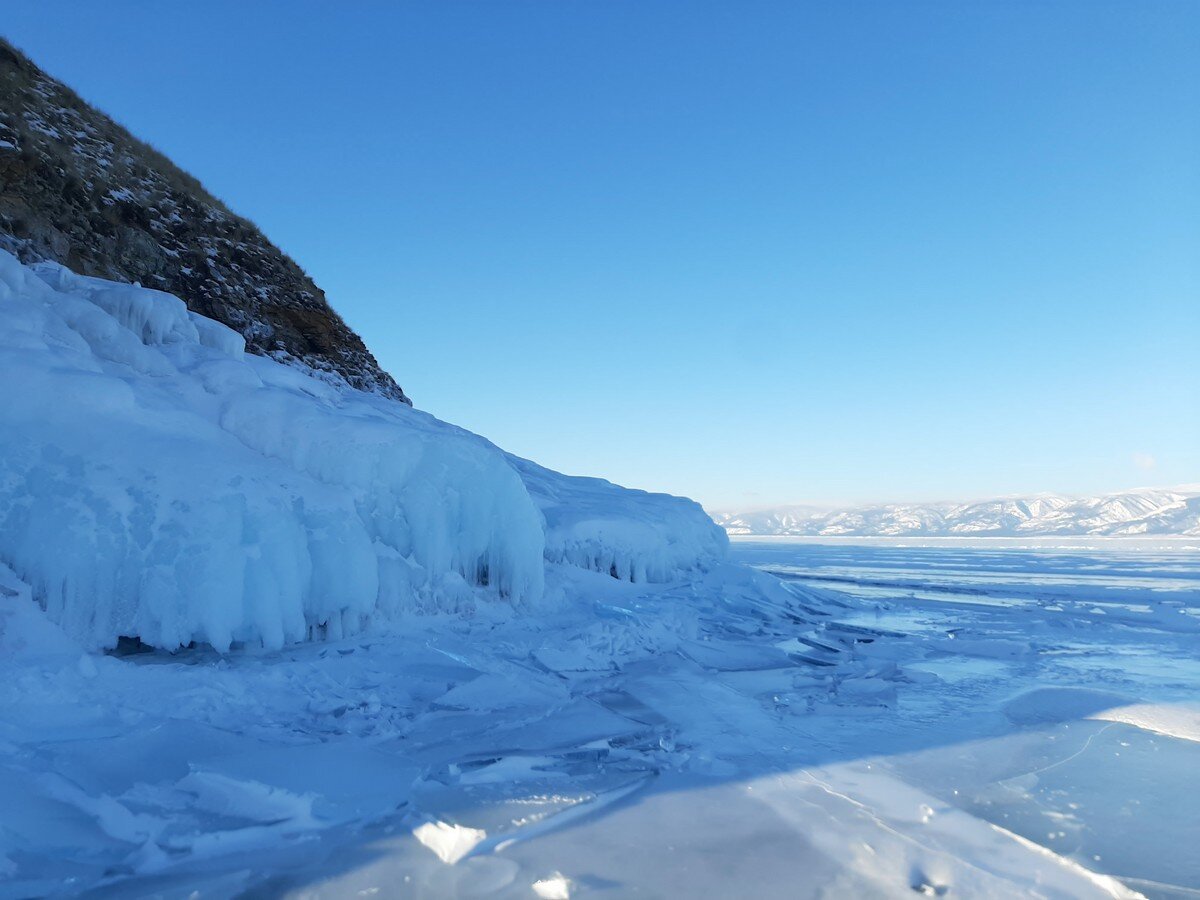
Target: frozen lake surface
855 719
1085 657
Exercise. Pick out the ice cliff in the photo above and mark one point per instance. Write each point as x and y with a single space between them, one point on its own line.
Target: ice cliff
158 482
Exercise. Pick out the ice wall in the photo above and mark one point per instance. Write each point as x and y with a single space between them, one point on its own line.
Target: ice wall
156 481
629 534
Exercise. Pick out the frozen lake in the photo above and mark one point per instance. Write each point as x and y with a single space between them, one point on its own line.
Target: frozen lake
868 720
1064 684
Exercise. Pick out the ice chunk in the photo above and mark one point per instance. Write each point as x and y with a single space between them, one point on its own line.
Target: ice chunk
494 692
450 842
553 887
249 800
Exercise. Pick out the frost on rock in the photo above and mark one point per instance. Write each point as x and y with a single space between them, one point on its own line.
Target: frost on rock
158 482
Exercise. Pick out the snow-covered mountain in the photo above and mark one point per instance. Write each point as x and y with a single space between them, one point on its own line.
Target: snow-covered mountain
1142 511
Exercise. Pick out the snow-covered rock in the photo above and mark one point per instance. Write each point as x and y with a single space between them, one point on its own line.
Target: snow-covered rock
158 482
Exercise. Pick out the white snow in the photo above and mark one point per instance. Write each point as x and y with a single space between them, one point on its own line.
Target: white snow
157 482
449 842
1178 720
553 887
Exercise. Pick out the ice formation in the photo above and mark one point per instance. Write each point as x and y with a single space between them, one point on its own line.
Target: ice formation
642 537
157 482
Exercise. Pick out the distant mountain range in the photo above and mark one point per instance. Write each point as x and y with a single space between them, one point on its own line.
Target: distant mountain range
1146 511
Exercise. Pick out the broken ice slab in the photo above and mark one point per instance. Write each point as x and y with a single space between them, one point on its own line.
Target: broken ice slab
505 811
725 656
349 781
491 692
456 735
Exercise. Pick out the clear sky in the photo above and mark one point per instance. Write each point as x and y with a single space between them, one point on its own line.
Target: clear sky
750 252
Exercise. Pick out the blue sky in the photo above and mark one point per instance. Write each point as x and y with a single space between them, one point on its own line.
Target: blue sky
754 253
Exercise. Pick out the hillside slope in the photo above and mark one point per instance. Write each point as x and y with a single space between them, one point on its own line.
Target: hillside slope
78 189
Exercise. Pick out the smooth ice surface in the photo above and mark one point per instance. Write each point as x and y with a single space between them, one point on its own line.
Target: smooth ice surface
157 482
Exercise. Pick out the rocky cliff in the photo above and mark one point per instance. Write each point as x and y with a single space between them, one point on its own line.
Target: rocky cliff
79 189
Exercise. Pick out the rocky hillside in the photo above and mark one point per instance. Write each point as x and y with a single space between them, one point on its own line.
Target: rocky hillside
77 188
1146 511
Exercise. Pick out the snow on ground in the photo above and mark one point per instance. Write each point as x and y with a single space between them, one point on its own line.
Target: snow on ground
408 664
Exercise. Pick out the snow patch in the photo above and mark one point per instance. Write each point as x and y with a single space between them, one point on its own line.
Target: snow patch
449 842
553 887
1178 720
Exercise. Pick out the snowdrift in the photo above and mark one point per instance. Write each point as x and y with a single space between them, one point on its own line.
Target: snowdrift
157 481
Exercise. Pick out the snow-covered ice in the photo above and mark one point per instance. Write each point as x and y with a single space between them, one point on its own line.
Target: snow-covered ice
407 664
156 482
722 733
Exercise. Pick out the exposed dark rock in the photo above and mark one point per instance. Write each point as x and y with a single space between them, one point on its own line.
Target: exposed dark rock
77 188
